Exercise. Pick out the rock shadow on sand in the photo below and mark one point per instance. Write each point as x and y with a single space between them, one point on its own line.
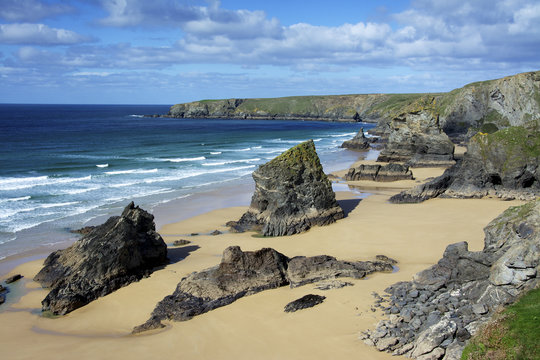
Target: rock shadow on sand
348 205
178 254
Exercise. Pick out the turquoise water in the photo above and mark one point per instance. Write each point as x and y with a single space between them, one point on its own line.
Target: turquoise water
61 166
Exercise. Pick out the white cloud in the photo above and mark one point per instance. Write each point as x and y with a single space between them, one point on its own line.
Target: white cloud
30 10
526 20
38 34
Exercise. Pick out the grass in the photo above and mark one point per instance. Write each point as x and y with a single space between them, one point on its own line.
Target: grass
513 334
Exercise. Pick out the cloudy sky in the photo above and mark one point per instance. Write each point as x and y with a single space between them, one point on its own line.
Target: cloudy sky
170 51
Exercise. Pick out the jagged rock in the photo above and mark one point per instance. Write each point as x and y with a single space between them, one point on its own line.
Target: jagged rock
505 163
122 250
13 278
2 299
358 142
304 270
181 242
244 273
239 274
305 302
84 230
292 194
216 232
417 138
445 304
389 172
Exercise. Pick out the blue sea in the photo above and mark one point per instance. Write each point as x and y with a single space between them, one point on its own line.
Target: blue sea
66 166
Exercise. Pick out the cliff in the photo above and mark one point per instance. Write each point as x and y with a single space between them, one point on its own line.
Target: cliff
481 106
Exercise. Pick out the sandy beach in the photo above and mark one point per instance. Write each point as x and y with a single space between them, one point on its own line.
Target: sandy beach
255 327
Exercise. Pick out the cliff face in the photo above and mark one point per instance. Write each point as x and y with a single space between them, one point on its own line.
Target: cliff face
483 106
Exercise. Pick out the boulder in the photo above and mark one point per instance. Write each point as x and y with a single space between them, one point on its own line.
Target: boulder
13 278
305 270
505 164
383 173
358 142
181 242
416 137
122 250
292 194
305 302
239 274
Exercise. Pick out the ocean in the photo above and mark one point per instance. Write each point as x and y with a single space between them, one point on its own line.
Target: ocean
67 166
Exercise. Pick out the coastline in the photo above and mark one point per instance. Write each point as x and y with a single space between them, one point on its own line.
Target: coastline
255 326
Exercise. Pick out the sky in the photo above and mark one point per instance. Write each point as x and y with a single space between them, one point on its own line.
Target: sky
173 51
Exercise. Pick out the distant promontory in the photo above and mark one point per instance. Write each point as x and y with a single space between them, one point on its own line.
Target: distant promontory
482 106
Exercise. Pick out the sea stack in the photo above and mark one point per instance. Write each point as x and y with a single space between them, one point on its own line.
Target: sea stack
122 250
292 194
417 138
358 142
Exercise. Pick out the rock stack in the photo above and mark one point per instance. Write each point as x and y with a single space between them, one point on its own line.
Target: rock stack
292 194
436 313
358 142
504 164
416 137
122 250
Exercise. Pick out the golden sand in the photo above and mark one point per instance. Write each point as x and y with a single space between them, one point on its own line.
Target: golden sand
256 327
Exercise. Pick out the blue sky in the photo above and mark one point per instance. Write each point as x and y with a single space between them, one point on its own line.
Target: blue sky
171 51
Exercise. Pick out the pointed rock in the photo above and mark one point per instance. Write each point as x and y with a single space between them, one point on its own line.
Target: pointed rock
122 250
292 194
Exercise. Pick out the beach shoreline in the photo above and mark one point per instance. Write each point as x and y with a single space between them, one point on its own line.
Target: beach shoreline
255 326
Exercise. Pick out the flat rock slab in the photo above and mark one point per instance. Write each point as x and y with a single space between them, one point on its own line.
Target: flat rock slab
305 302
13 278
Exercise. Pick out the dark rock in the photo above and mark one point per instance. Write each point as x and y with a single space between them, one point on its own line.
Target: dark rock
383 173
2 299
244 273
181 242
122 250
505 164
2 289
305 270
358 142
239 274
216 232
13 278
449 301
292 194
304 302
416 137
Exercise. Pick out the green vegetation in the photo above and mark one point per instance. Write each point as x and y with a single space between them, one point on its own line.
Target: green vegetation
512 335
301 153
394 103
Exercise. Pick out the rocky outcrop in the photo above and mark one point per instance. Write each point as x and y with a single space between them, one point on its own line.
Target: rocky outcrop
3 292
13 278
436 313
383 173
122 250
416 137
292 194
244 273
306 270
305 302
358 142
504 164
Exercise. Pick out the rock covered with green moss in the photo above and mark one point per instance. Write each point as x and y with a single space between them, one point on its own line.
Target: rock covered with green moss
504 164
292 194
416 137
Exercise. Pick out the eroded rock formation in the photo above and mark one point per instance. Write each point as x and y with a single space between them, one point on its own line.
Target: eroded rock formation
244 273
436 313
358 142
292 194
383 173
504 164
416 137
122 250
